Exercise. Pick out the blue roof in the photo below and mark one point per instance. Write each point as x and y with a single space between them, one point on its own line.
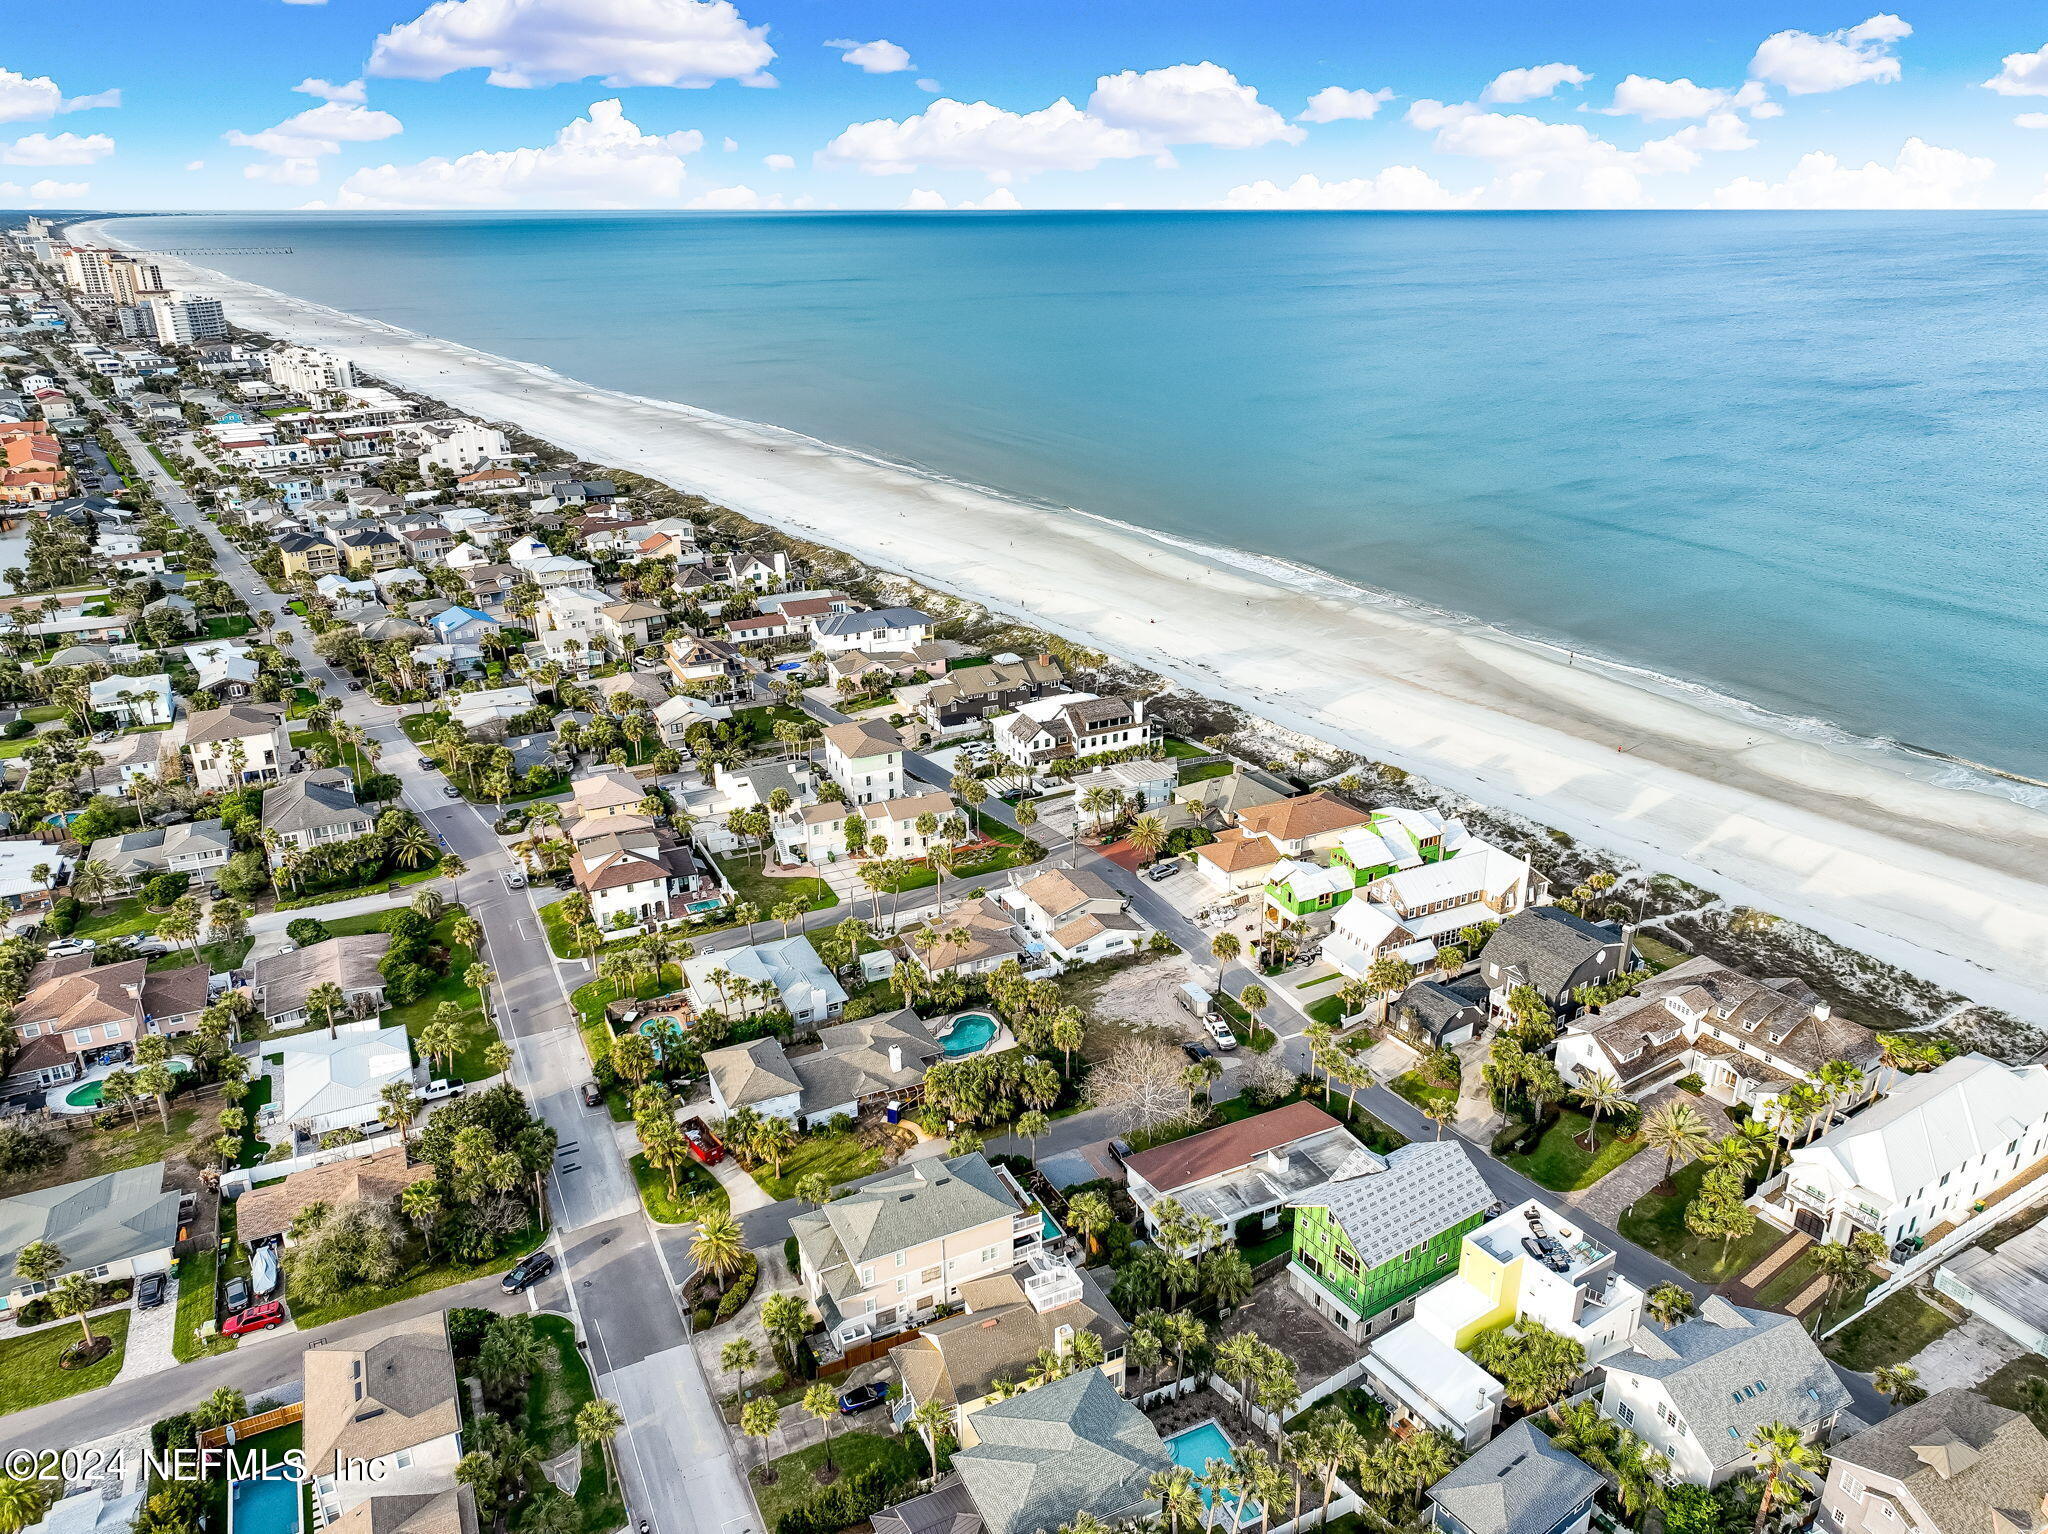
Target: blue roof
456 617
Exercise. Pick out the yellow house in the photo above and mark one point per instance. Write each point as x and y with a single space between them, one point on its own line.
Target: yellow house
304 555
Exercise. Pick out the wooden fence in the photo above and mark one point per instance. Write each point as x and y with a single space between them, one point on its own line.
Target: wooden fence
249 1427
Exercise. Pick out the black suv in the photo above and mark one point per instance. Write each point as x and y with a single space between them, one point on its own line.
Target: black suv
528 1271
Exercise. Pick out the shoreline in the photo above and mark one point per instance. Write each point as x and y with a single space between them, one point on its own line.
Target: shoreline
1949 883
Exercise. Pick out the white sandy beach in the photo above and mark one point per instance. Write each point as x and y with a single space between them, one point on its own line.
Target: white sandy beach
1950 884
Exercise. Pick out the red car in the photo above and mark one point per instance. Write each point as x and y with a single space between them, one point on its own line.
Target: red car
257 1318
703 1143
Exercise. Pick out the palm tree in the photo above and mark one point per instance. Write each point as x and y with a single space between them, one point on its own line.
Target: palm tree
822 1402
1180 1501
1839 1263
1678 1130
1668 1304
39 1262
75 1295
324 1001
1783 1460
1088 1216
23 1502
785 1318
1600 1094
736 1358
932 1419
1224 947
1440 1111
719 1248
1148 836
1900 1383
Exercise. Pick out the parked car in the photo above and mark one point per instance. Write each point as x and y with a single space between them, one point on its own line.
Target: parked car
703 1143
65 947
238 1293
528 1271
439 1089
1219 1032
257 1318
593 1095
1195 1052
149 1291
514 879
1164 869
450 791
148 946
863 1398
354 686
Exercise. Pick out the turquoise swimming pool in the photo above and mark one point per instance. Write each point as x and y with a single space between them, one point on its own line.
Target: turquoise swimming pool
1194 1448
970 1031
266 1505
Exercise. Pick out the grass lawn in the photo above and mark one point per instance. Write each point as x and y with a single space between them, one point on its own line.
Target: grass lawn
228 625
124 918
195 1309
1201 772
1423 1093
559 1390
796 1475
477 1033
1893 1332
162 462
1171 746
1796 1277
358 764
420 1278
399 877
29 1372
1661 956
2003 1388
760 723
752 886
836 1157
219 958
1656 1222
698 1193
1561 1161
556 926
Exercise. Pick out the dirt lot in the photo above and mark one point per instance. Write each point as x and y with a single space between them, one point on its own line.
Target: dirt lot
1140 999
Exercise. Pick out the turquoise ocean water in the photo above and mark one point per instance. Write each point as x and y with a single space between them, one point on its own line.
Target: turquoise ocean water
1795 459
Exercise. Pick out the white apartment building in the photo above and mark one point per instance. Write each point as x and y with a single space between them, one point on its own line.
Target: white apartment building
184 319
460 447
306 370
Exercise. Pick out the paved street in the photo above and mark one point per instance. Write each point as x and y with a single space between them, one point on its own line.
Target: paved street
616 1276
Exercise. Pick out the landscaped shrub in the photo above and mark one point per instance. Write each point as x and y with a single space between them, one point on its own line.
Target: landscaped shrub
466 1327
852 1499
742 1290
65 914
307 930
165 888
16 728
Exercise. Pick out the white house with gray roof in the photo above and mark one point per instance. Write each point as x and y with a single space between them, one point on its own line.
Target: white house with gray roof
885 628
108 1227
786 973
199 848
1700 1392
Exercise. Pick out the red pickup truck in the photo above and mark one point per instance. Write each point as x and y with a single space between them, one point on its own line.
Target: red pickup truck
703 1143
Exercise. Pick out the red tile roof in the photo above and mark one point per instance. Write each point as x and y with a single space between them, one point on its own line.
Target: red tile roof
1214 1151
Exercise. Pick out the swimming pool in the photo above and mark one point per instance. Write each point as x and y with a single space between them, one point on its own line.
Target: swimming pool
266 1505
85 1095
1194 1448
970 1031
657 1030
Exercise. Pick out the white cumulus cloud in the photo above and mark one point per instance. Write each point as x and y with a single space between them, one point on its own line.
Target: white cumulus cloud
1396 187
46 191
931 86
195 165
1333 103
2031 120
1806 64
1922 175
24 98
2022 74
1001 200
599 161
880 57
779 162
1533 83
1190 104
525 43
296 145
1661 100
63 149
978 136
730 199
327 90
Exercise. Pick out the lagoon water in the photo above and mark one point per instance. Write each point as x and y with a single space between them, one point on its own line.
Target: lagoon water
1794 459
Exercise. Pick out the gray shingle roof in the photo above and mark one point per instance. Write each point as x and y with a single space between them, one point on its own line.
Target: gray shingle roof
1730 1371
1996 1461
312 800
1548 1484
1420 1191
1543 946
841 625
1051 1453
901 1209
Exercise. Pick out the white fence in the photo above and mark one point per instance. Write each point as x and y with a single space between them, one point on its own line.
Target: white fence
238 1181
1964 1235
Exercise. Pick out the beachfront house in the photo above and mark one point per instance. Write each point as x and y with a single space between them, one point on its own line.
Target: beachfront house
1922 1158
1747 1040
885 628
1955 1463
1552 952
969 698
1073 725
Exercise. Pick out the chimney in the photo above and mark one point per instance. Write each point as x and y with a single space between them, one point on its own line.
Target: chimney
1821 1010
895 1058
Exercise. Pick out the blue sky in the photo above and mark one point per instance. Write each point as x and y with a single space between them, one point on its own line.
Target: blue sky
783 103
